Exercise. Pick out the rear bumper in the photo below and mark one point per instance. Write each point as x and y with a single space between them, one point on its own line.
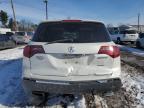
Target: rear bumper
128 40
71 87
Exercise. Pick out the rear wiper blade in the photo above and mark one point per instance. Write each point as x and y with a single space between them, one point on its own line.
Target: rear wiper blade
62 40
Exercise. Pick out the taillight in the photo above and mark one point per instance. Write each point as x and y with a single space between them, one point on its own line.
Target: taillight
71 20
112 51
31 50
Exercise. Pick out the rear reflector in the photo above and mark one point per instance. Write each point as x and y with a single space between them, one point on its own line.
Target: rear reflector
112 51
71 20
31 50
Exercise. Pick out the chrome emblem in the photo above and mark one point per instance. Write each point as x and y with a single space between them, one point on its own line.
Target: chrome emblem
71 49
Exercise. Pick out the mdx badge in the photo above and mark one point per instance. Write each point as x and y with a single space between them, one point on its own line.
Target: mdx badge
71 49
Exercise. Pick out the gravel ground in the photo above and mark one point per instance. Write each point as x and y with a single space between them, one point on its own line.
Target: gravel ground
132 93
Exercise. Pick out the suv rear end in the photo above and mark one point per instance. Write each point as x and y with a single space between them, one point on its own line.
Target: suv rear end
22 37
129 36
19 37
71 56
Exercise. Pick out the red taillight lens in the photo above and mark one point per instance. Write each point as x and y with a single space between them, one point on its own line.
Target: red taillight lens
112 51
71 20
31 50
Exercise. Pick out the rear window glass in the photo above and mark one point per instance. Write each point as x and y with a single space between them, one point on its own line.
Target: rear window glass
128 32
113 30
79 32
30 33
20 33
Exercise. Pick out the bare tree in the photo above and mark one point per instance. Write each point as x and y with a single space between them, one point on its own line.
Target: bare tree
109 25
26 25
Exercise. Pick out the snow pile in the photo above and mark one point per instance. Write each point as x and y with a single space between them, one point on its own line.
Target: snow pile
8 56
71 102
11 91
11 53
133 82
132 50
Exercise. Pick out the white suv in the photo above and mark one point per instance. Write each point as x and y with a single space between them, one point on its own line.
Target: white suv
22 36
71 56
125 36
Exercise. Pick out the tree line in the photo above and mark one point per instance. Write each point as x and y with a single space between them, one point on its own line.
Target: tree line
23 25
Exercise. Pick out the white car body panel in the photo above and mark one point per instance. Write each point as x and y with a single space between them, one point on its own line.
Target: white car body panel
125 37
89 63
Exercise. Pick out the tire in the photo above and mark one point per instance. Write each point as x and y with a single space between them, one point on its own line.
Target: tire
138 44
118 41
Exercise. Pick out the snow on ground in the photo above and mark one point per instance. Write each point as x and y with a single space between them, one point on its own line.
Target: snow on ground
11 92
7 56
10 54
133 82
132 50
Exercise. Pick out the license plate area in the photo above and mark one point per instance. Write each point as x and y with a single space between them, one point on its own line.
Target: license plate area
73 58
70 56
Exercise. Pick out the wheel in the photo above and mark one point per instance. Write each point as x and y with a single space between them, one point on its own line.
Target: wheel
138 44
118 41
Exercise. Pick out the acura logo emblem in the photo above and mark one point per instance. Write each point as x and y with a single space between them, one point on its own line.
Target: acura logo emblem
71 49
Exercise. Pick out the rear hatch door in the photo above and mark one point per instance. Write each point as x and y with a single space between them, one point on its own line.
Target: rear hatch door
71 59
76 55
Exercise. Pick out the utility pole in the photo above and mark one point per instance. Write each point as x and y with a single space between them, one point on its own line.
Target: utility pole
46 3
14 16
138 22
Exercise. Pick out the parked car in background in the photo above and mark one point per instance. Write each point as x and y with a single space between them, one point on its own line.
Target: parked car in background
127 35
19 37
6 41
140 41
68 57
22 36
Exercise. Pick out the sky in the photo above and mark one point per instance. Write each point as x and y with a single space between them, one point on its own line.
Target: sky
108 11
